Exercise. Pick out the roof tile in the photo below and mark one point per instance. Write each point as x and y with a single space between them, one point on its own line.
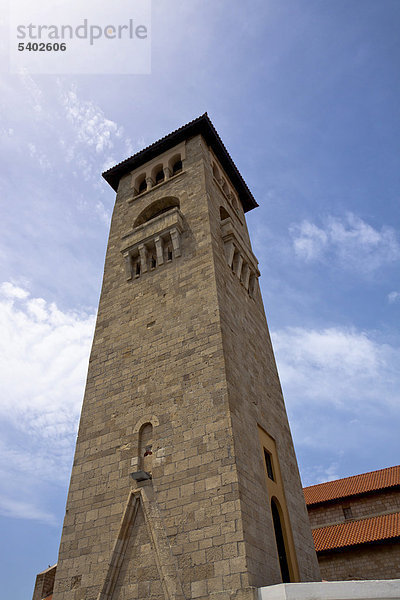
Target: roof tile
352 486
352 533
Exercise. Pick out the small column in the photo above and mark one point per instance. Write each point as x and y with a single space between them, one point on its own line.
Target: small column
175 242
246 275
149 183
252 284
128 266
167 172
143 258
160 250
229 252
238 266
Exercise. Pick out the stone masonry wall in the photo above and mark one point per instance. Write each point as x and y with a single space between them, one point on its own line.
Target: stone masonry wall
44 583
255 397
377 503
369 562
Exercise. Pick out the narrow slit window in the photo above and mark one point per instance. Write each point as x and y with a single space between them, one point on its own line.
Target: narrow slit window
235 260
146 448
268 465
137 269
280 543
169 254
153 262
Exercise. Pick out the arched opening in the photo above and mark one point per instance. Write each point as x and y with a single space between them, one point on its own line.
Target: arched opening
175 164
146 447
155 209
158 174
177 167
280 541
141 184
223 213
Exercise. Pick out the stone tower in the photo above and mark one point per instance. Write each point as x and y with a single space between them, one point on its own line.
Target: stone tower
185 482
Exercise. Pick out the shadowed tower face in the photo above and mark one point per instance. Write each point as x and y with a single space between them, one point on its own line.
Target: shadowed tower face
185 482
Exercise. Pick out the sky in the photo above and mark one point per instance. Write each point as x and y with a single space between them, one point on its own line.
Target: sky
305 95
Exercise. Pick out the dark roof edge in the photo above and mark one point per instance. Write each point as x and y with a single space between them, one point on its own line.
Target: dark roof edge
203 126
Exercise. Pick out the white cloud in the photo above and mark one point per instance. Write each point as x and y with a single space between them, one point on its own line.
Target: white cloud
12 507
337 367
35 94
43 363
320 474
393 297
351 241
103 213
70 138
9 290
342 392
42 159
310 242
89 122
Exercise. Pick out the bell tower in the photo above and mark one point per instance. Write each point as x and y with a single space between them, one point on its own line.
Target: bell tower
185 483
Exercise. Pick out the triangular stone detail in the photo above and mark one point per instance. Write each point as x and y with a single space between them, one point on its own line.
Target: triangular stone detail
141 564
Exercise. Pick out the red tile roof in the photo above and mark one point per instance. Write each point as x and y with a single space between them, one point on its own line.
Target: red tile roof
352 486
352 533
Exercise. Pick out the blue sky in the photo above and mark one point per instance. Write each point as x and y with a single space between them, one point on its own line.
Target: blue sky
306 96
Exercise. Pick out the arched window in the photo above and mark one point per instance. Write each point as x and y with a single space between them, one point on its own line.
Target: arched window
146 447
175 164
280 541
157 174
155 209
177 167
141 184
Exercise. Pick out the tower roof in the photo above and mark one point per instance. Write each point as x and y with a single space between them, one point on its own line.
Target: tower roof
200 126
